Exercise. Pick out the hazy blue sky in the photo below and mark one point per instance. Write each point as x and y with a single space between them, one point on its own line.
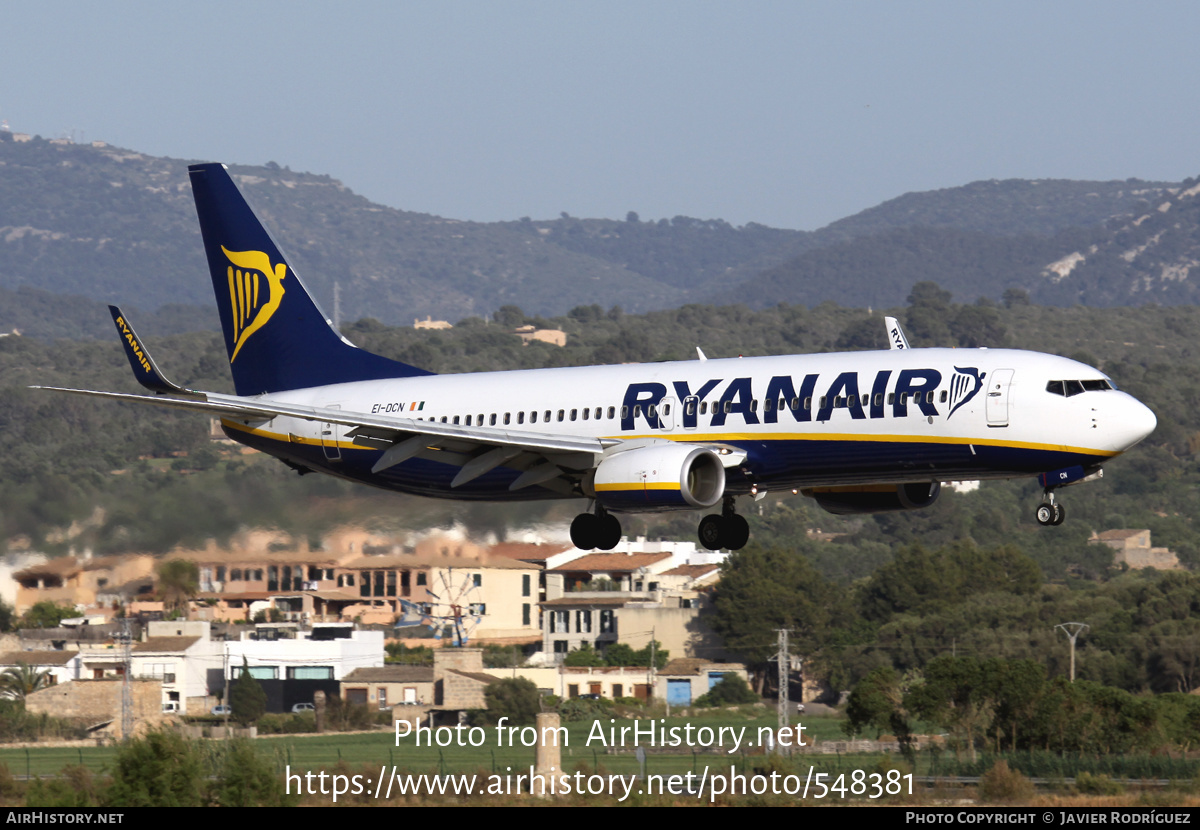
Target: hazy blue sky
792 114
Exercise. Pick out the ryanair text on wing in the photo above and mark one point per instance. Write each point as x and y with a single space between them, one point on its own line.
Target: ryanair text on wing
134 347
783 398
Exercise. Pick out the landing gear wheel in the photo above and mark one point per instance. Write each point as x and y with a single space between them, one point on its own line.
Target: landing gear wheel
608 532
586 531
1060 513
711 531
1045 514
736 532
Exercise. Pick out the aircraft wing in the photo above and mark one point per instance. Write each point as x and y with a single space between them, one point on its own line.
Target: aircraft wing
476 449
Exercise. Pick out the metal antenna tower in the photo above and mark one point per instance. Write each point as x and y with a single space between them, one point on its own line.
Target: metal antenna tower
126 687
1073 630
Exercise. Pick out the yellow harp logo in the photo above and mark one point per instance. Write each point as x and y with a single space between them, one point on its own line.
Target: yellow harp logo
253 303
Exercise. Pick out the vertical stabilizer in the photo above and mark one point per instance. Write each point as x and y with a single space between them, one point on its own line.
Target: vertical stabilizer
276 336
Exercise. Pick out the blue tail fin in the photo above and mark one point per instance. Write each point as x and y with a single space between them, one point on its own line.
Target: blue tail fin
277 337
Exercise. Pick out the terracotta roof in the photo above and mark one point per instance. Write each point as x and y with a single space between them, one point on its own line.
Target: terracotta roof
391 674
37 658
247 559
693 571
611 562
474 675
687 666
166 644
527 552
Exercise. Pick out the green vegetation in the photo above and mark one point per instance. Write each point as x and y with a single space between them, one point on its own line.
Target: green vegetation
247 698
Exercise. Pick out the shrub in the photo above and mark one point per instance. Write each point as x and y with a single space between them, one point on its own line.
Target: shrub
1003 784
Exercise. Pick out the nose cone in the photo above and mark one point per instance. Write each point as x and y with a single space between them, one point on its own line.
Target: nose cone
1132 422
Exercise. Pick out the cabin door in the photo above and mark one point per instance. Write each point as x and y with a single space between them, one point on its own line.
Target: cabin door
997 397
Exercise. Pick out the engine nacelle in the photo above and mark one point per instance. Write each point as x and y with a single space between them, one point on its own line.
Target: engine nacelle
876 498
660 477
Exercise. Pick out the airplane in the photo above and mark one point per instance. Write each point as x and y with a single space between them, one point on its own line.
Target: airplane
859 432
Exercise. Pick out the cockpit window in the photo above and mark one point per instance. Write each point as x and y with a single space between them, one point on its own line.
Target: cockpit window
1070 388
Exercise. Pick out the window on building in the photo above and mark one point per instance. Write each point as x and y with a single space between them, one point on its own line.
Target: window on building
526 613
583 622
310 673
608 622
526 585
478 580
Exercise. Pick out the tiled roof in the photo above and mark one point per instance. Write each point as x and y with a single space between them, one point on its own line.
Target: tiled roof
611 562
391 674
37 658
166 644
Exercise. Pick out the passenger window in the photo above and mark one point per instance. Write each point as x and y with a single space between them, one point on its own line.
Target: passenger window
637 410
533 417
929 397
943 396
456 420
754 404
728 407
769 405
807 403
520 417
611 412
879 399
823 401
468 420
904 399
507 418
666 409
703 407
479 420
585 414
866 399
547 418
574 414
891 398
624 412
492 420
561 414
652 411
689 408
443 419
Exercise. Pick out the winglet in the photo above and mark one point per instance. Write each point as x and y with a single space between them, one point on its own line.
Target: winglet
896 338
700 354
144 368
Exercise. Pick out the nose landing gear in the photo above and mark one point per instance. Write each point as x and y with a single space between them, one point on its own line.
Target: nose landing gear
728 530
1050 512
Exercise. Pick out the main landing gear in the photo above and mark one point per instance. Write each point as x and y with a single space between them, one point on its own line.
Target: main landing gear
596 530
728 530
1050 512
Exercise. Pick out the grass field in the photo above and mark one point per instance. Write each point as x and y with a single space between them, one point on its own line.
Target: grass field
494 754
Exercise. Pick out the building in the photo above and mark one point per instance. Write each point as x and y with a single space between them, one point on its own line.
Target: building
1132 549
84 582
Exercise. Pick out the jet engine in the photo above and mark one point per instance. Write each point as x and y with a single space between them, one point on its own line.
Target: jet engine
876 498
660 477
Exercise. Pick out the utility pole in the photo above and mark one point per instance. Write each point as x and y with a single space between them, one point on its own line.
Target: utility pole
783 661
1073 630
126 688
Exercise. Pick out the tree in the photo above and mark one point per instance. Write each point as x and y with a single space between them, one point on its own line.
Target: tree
163 769
23 680
515 698
765 589
178 581
585 655
247 698
46 614
731 690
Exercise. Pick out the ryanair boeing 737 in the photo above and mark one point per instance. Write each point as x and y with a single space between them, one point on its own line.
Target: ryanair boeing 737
859 432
